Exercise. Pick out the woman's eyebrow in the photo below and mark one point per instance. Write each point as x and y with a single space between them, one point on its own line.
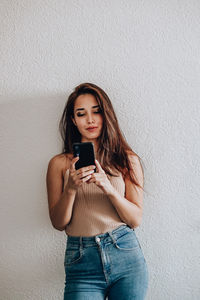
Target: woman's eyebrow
95 106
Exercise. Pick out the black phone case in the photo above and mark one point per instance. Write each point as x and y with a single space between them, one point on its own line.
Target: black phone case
85 151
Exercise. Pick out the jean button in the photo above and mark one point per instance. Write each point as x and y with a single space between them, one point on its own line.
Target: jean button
97 239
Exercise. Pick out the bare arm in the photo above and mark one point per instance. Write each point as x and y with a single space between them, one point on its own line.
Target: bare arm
130 207
60 202
62 211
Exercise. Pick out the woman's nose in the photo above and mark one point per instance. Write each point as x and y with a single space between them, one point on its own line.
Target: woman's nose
90 119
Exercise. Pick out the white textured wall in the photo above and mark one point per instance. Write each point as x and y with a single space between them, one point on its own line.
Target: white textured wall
145 54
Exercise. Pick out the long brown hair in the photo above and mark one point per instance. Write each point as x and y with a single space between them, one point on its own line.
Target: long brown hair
113 148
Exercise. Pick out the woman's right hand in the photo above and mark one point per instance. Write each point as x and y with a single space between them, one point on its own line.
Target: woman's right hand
78 177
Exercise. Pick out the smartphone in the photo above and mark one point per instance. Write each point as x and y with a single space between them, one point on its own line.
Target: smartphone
85 151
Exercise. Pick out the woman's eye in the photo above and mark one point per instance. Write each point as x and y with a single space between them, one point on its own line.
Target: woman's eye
97 112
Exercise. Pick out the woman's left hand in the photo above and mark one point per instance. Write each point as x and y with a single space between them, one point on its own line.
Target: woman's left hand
100 179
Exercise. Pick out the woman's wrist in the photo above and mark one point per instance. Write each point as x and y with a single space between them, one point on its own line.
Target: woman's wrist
110 191
70 190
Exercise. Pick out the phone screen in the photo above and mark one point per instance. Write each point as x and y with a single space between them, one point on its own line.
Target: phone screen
85 151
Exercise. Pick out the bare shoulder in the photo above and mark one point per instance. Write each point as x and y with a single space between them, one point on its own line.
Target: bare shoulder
136 165
133 157
60 162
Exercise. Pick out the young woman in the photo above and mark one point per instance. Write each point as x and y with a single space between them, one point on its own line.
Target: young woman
98 210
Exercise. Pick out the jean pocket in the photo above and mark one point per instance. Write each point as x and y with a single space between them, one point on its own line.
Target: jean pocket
72 256
127 242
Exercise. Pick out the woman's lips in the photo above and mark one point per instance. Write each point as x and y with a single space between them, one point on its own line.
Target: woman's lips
92 129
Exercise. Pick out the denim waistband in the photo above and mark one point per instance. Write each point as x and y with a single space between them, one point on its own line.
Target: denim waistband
106 237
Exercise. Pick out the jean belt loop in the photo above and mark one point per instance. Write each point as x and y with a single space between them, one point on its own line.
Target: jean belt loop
81 243
112 237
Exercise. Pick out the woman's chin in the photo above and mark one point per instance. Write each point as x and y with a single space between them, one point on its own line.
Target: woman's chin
91 136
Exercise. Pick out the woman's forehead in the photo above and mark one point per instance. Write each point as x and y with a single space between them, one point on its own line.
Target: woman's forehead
86 100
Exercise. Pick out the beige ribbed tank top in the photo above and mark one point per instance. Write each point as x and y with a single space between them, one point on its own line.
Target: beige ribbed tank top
93 212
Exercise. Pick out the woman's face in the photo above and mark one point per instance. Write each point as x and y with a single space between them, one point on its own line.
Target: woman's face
88 117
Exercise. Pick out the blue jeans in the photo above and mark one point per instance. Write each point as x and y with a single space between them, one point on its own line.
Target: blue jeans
106 265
